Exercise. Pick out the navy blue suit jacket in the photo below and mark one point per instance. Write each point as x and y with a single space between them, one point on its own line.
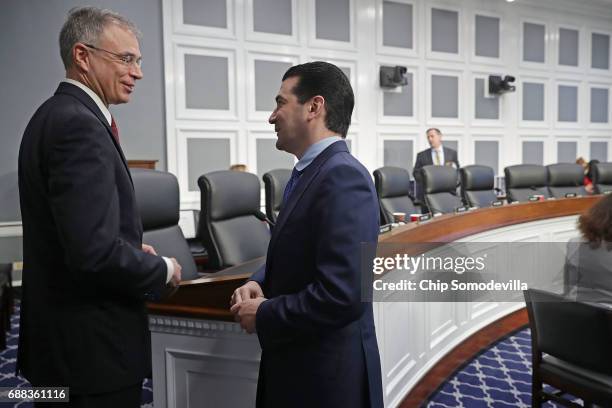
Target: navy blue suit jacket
83 316
318 341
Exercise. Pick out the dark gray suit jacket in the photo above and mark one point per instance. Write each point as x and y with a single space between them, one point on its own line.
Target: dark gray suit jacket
588 272
83 317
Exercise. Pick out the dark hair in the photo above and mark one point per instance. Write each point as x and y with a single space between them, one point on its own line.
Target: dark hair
596 224
589 172
435 130
327 80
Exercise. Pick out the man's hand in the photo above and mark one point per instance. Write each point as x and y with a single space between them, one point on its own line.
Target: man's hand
249 290
148 249
245 311
176 277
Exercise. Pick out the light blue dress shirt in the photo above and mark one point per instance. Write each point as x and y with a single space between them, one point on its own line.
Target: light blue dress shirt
314 150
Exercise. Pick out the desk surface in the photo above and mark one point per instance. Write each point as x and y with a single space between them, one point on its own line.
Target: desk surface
451 227
208 298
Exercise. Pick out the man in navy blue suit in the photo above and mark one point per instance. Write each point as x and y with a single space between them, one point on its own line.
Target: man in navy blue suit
317 337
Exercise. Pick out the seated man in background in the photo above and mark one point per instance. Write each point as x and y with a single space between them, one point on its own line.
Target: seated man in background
437 155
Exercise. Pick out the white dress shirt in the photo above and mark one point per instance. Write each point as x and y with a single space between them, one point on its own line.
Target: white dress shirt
440 155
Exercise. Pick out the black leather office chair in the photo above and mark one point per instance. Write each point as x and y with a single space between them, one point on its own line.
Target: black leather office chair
575 338
440 185
525 180
393 189
565 178
157 197
274 184
228 227
602 177
477 185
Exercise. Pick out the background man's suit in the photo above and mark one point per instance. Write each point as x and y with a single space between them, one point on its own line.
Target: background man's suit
83 318
318 340
423 159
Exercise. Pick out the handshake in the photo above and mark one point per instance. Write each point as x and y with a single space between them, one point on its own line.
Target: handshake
244 301
176 276
244 304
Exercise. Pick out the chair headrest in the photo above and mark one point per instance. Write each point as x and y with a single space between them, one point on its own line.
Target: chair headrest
565 174
276 180
525 176
439 179
5 268
602 173
228 194
392 181
157 197
476 177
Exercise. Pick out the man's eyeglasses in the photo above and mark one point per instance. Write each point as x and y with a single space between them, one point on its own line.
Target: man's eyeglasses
127 59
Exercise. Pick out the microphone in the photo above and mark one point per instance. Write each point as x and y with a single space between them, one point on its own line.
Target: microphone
262 217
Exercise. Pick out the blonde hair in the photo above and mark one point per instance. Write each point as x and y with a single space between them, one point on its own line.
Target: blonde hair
238 167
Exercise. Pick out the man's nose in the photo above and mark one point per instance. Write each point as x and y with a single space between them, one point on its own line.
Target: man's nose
136 72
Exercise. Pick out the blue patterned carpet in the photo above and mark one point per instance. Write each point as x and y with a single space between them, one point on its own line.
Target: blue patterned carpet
8 359
499 377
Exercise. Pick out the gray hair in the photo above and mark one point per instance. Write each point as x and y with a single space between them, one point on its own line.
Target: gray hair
85 25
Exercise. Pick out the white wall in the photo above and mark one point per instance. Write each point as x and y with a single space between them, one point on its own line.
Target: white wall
241 131
239 126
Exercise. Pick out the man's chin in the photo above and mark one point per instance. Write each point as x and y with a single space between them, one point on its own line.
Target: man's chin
124 98
279 145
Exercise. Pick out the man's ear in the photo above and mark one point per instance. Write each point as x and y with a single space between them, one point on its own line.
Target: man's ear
80 57
316 106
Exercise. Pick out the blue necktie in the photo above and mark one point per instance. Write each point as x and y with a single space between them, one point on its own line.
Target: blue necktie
295 176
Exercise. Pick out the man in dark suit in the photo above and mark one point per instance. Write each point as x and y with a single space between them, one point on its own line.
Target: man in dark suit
86 271
435 155
317 337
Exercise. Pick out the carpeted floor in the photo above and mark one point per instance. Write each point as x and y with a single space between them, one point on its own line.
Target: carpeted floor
8 359
499 377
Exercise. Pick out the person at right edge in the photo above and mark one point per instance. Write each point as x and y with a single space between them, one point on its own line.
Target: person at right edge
588 262
317 336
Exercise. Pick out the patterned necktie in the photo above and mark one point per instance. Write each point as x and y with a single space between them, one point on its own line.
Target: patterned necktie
295 176
115 130
437 157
